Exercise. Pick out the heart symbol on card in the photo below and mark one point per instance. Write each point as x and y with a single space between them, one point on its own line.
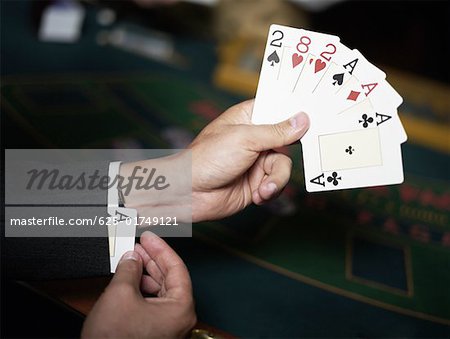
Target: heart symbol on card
296 59
320 65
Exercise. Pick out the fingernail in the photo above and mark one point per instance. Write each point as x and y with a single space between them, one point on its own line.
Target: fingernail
271 188
148 234
130 255
299 121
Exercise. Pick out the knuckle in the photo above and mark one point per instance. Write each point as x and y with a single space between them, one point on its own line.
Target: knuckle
123 290
281 162
279 131
244 136
289 163
130 267
237 131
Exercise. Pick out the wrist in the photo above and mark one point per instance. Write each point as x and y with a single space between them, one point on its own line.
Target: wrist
159 187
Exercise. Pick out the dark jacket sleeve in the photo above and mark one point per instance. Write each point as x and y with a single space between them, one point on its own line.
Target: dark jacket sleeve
54 258
34 258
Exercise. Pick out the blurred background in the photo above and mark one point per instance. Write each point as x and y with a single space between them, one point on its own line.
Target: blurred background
151 74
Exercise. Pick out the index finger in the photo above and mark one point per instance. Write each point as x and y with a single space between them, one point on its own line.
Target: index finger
177 282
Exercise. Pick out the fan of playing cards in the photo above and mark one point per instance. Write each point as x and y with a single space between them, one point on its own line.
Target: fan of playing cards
355 135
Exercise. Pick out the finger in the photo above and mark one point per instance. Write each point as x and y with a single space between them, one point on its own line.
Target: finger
265 137
256 176
150 266
177 282
159 251
154 271
149 285
278 169
143 253
128 271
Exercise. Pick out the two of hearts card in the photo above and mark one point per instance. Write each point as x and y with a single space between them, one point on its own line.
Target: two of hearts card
355 134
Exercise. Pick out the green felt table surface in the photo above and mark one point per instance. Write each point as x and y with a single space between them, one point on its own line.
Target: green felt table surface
355 263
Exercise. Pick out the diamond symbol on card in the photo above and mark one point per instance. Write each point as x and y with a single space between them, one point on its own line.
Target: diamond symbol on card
353 95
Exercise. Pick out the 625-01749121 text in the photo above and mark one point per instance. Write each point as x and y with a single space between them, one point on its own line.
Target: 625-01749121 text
102 220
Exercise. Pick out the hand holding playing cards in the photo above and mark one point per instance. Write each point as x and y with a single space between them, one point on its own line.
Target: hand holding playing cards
234 164
123 312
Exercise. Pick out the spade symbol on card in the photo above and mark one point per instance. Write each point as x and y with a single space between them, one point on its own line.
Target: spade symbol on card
273 58
338 79
334 179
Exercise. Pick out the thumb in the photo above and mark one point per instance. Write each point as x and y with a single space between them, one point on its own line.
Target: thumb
129 270
266 137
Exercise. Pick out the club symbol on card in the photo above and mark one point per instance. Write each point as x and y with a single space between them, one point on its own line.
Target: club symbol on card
353 95
366 120
273 58
334 179
296 60
320 65
350 150
338 79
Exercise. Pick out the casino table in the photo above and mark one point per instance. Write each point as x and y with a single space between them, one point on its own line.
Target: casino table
356 263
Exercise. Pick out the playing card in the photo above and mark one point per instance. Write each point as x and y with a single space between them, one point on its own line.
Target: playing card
272 93
355 132
360 145
336 74
362 83
351 159
285 60
124 233
379 112
318 52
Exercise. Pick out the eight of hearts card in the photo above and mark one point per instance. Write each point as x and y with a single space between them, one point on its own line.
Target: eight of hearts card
355 133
